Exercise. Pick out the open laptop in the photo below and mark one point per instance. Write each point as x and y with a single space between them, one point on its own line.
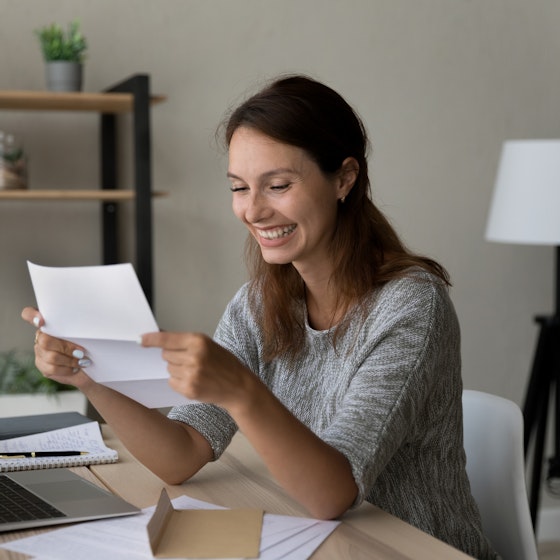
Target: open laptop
39 498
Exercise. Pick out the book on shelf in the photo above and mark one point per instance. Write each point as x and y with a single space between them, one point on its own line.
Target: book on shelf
83 438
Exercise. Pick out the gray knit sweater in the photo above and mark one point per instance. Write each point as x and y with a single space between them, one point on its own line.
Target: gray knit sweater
387 396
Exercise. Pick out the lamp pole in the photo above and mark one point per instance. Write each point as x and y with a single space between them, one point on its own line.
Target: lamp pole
557 296
543 382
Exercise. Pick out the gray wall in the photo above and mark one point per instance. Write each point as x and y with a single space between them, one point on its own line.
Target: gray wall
439 83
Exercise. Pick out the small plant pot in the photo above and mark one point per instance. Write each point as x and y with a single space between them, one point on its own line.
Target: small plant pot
64 76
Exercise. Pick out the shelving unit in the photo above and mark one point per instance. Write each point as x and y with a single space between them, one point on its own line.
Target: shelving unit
82 194
130 96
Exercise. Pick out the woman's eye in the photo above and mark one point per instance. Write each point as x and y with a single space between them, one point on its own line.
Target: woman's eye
279 187
235 189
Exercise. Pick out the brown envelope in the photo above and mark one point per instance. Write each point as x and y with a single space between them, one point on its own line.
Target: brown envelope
201 533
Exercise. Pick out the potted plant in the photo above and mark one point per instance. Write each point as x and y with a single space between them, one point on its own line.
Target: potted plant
64 53
24 390
12 163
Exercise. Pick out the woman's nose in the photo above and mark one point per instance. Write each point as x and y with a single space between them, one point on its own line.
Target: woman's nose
257 208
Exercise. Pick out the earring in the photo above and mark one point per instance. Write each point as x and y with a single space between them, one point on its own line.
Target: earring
343 199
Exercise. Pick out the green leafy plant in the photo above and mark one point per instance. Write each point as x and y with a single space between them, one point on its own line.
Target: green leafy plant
18 374
56 44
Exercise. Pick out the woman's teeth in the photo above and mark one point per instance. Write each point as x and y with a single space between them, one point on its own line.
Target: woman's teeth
277 233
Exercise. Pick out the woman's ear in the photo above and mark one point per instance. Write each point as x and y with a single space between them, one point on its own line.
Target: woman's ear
348 173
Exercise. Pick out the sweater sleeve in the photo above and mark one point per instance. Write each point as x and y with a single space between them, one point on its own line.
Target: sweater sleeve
406 346
211 421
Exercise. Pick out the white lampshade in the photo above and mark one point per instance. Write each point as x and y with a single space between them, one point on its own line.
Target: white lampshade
525 207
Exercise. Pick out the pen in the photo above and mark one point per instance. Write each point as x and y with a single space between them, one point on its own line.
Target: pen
32 454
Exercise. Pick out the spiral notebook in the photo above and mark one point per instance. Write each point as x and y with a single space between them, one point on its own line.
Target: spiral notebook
85 438
19 426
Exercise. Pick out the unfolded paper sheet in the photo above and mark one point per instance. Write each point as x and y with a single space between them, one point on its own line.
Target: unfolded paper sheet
104 309
125 538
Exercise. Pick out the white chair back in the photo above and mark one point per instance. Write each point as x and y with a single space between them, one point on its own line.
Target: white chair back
493 441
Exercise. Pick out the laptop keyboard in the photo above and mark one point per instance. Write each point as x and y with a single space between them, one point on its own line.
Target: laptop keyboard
19 504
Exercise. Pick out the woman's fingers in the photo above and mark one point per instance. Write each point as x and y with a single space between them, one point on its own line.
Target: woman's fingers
57 352
32 316
166 340
58 359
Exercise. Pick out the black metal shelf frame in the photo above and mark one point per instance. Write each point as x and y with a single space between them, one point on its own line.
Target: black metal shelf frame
139 86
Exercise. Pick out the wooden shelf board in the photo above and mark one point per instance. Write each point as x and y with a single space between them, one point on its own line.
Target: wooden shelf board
103 195
69 101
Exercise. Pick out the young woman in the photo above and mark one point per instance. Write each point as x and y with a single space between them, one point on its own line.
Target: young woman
339 360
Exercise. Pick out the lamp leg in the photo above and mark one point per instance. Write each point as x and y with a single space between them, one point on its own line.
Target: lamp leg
553 478
538 454
535 408
537 381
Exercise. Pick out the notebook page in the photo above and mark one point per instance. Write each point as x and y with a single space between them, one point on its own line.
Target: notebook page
83 437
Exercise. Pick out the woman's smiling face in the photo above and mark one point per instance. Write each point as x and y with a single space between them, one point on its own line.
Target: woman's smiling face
288 204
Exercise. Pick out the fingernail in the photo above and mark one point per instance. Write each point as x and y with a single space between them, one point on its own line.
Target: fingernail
139 340
84 362
75 370
78 354
36 321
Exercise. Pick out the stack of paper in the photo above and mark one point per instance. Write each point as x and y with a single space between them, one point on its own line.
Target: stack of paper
126 538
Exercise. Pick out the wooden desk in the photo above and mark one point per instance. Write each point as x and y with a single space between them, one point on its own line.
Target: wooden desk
240 479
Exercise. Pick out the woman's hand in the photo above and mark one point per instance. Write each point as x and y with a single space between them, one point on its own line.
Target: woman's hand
57 359
201 369
172 450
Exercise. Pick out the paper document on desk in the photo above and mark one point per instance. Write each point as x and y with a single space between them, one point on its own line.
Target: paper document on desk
104 309
125 538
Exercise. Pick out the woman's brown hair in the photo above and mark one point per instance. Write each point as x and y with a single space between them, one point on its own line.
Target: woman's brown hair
366 250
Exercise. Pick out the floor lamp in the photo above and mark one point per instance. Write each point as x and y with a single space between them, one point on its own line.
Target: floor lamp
525 209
